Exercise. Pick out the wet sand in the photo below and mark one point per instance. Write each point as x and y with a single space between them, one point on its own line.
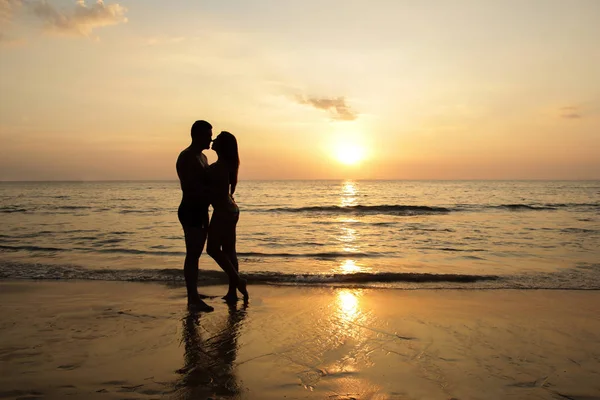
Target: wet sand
111 340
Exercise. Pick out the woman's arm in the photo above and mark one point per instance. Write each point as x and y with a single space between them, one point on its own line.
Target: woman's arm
219 178
232 181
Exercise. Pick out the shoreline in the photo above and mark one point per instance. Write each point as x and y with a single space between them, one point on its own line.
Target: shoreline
418 285
114 340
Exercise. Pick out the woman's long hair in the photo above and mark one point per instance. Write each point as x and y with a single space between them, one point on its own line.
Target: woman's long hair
229 154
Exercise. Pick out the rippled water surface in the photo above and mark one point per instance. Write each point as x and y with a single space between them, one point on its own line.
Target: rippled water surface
527 234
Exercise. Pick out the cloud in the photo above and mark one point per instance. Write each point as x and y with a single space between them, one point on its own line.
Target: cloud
154 41
7 10
336 106
570 112
82 20
9 41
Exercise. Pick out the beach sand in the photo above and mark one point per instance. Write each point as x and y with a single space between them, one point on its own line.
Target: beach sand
113 340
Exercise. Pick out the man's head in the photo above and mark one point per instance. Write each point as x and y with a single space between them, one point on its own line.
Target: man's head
202 134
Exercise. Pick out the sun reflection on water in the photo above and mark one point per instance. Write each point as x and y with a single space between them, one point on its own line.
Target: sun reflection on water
349 266
348 305
348 238
349 194
355 345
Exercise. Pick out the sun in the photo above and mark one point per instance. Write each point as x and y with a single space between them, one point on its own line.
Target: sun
349 154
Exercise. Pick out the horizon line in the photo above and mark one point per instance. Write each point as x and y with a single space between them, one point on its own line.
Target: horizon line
307 179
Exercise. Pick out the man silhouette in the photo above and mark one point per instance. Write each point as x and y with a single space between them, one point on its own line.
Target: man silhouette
193 211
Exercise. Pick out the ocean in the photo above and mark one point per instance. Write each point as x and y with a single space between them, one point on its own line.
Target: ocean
397 234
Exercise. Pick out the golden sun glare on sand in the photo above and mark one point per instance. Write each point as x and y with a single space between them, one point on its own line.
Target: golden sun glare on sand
349 154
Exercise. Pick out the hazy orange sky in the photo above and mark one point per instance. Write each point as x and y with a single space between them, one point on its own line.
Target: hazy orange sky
462 89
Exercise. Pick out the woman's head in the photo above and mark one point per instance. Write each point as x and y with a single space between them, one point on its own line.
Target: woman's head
227 149
225 145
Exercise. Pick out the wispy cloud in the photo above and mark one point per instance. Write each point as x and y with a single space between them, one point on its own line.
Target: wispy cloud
154 41
81 20
570 112
7 10
336 106
10 41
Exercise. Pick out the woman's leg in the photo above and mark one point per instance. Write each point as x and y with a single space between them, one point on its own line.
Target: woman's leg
219 230
228 246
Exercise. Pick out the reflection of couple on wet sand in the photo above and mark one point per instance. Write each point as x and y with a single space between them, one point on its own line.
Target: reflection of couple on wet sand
203 185
209 355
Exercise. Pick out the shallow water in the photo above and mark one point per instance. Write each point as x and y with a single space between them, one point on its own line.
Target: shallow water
537 234
116 340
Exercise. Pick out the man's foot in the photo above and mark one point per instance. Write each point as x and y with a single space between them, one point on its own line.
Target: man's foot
242 288
196 297
199 306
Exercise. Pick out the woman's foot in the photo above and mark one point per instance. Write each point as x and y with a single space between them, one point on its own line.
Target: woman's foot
230 298
242 288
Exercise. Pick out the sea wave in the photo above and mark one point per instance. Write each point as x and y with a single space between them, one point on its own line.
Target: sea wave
12 209
317 255
408 210
72 207
251 254
519 207
360 209
382 209
32 248
582 277
17 270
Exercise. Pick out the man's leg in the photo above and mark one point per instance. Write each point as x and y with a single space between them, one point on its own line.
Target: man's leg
195 238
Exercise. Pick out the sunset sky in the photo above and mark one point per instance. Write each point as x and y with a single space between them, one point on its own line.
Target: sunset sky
462 89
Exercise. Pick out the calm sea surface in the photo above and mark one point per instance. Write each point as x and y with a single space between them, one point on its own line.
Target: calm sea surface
411 234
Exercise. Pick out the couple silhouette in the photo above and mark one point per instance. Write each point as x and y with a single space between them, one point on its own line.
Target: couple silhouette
205 184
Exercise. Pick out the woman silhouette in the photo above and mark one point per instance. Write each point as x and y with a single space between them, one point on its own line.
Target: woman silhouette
223 176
